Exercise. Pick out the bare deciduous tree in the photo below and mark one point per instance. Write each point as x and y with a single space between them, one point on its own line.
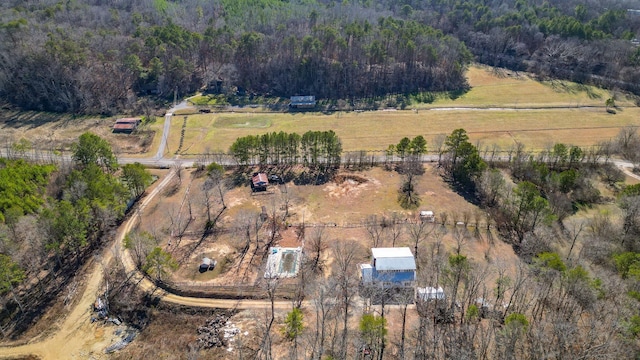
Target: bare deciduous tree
318 243
395 225
374 228
418 232
346 255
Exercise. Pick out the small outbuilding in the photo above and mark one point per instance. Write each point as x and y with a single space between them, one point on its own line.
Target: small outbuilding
428 216
303 102
259 182
126 125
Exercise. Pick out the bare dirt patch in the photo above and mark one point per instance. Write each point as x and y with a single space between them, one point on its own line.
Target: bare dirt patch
346 185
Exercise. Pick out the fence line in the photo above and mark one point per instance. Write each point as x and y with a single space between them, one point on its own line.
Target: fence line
206 290
364 224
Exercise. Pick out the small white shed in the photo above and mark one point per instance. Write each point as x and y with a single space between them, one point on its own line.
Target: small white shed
427 215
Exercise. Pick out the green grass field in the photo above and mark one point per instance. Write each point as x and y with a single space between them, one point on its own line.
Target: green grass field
496 88
537 114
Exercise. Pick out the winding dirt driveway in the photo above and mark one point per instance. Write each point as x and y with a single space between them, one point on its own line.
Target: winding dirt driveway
76 337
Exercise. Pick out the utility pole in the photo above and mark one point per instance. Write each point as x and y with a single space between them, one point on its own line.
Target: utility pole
175 96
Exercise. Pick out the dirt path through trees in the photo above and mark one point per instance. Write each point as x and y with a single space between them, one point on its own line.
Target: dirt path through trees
76 337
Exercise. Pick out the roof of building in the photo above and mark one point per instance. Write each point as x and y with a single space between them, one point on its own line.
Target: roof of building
260 179
124 126
429 292
303 100
128 121
399 258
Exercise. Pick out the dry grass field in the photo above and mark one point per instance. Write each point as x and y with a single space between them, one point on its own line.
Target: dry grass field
346 203
51 131
501 108
497 87
376 130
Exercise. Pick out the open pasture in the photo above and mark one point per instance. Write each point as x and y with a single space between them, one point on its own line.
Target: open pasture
503 88
501 108
375 130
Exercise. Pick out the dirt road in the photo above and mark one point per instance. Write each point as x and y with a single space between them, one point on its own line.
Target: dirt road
77 338
624 166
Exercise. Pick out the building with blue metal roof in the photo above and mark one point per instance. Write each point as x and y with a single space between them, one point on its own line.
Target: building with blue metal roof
390 267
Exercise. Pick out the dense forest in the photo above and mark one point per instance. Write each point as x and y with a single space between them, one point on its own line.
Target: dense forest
95 56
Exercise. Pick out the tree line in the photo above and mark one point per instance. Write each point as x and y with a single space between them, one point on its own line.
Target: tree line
87 57
314 149
587 42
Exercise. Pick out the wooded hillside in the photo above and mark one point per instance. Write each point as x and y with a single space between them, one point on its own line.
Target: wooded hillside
93 56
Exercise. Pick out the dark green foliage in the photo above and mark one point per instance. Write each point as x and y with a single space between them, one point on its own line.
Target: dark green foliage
459 261
293 324
10 274
628 265
548 261
464 164
93 150
315 149
527 210
136 177
630 190
633 326
101 189
402 148
68 225
517 320
159 264
418 145
373 330
560 175
413 148
91 201
567 180
22 187
214 168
